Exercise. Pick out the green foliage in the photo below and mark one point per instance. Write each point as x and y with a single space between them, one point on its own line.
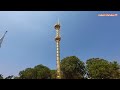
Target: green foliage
115 70
9 77
53 74
1 76
72 68
16 77
42 72
102 69
26 74
38 72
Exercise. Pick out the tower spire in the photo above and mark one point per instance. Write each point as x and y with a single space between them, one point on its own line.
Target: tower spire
57 39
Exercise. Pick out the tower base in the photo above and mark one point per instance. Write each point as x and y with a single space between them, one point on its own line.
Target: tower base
58 77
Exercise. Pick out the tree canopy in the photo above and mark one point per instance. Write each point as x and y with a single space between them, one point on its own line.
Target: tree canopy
102 69
38 72
1 76
72 68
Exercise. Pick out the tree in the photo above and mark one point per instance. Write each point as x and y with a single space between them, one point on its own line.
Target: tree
102 69
16 77
72 68
53 74
28 73
38 72
115 70
42 72
9 77
1 76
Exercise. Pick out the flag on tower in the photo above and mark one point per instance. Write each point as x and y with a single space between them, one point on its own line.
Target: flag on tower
1 39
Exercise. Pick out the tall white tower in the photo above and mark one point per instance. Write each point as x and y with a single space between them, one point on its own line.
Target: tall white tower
57 39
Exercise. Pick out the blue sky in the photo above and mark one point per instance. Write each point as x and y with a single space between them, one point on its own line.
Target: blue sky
30 38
